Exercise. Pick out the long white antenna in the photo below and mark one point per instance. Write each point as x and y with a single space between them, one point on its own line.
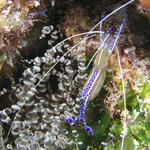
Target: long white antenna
122 6
125 102
62 57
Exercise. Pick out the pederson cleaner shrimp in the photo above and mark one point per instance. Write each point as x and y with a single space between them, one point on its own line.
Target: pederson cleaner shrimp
97 76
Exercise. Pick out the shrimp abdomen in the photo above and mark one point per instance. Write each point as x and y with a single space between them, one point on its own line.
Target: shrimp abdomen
98 83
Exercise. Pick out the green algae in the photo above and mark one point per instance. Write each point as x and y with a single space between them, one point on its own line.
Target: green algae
138 121
99 121
108 131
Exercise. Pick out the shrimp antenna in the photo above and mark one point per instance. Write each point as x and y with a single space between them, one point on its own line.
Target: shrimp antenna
122 6
125 102
113 44
100 27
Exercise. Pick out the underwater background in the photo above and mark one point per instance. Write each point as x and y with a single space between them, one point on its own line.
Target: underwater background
41 82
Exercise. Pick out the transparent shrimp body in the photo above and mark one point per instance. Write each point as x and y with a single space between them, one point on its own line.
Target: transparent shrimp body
93 86
99 70
96 78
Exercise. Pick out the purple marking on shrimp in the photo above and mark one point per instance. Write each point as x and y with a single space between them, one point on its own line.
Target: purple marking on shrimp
85 93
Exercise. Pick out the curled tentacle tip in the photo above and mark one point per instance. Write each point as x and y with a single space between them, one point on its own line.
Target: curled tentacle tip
89 130
69 120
